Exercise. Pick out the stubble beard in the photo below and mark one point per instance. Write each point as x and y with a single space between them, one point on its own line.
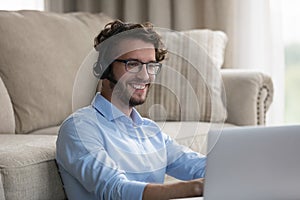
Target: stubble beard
121 92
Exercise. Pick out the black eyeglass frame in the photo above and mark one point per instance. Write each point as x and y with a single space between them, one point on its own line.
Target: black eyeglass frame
140 66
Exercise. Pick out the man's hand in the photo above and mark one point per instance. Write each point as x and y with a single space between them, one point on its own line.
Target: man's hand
191 188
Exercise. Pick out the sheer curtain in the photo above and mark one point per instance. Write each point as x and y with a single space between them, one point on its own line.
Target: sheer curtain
256 43
253 28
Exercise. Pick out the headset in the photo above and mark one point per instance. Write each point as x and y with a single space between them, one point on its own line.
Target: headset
102 72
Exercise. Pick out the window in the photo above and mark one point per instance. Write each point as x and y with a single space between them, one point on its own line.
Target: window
291 34
22 5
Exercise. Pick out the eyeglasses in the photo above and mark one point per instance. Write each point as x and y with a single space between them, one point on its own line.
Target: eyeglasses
135 66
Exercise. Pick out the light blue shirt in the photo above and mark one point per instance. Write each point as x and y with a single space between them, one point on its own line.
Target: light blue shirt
104 154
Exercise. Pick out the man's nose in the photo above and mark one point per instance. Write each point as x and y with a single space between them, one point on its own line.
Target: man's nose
143 74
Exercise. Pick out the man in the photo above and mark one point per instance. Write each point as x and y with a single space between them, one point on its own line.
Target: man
107 150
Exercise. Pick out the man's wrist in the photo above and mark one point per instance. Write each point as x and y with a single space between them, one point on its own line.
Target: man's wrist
197 188
175 190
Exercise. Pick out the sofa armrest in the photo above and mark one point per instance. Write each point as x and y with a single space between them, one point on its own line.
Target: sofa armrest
7 118
249 95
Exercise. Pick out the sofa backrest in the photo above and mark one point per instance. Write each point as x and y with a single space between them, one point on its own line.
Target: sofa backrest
41 53
46 66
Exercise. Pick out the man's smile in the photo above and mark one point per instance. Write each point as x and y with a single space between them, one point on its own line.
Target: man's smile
139 86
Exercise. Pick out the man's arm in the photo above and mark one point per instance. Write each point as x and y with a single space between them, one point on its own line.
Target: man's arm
183 163
174 190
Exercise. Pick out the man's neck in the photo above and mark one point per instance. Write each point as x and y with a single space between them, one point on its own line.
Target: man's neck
126 109
123 108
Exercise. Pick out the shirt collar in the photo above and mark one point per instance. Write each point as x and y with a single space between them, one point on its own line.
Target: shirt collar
109 111
136 118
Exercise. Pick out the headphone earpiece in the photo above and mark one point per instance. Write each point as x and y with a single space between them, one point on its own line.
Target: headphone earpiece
97 70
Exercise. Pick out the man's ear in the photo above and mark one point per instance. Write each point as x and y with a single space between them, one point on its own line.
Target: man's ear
107 85
104 83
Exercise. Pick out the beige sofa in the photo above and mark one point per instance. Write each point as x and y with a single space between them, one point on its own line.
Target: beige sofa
41 55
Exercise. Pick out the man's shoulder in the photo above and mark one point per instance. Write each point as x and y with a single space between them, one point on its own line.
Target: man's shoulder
83 116
84 121
148 121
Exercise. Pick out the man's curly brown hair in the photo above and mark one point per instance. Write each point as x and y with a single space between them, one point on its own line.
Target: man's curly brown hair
116 31
145 32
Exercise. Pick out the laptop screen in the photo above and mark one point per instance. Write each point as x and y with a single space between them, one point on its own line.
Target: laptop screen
253 163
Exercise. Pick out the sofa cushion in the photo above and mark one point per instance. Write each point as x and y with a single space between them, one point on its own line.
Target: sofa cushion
191 134
7 118
40 55
28 169
46 131
189 87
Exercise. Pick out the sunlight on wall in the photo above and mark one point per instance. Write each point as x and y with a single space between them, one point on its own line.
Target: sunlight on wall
22 5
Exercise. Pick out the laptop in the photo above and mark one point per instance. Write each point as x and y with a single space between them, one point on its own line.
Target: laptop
261 163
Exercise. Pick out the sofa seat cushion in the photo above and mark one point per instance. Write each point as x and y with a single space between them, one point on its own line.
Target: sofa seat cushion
28 168
191 134
46 131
